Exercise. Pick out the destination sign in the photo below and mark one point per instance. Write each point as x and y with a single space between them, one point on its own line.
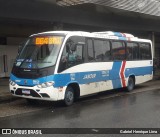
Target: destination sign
48 40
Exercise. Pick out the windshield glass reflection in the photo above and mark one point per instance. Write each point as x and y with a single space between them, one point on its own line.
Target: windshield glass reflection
40 52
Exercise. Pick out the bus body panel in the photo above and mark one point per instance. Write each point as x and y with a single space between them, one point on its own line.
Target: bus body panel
104 76
49 93
91 77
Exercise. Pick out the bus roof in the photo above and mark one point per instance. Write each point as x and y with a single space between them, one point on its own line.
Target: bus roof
104 34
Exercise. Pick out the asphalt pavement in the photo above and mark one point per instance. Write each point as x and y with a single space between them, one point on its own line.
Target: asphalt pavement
6 96
101 114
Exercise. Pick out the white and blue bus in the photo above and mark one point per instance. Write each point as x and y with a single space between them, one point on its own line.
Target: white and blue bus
66 65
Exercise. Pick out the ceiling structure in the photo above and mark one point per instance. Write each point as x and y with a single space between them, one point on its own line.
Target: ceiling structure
70 2
150 7
24 17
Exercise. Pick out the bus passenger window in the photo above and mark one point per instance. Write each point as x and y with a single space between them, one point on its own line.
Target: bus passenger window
102 50
118 50
98 46
90 50
145 51
107 50
132 51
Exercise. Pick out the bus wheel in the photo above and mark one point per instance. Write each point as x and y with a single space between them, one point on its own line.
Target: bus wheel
131 84
69 96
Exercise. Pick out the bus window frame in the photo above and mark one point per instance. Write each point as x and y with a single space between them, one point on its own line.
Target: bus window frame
104 40
87 55
123 43
151 54
132 55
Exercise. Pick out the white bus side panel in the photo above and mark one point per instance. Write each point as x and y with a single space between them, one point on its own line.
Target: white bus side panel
101 76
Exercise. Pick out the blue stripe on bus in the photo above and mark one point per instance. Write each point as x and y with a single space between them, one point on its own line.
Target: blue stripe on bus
30 82
118 34
139 71
86 77
122 38
114 74
80 77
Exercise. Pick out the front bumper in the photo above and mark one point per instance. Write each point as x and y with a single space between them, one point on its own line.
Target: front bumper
49 93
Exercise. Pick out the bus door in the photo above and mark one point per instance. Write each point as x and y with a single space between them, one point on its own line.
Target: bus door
90 78
72 60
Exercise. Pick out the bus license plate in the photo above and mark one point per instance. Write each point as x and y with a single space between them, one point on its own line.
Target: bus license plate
26 91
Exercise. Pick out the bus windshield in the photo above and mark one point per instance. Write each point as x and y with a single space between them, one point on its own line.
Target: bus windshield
39 52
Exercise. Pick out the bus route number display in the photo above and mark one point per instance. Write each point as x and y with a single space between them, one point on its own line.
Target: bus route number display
48 40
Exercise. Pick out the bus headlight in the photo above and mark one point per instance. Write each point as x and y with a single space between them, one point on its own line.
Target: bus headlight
46 84
12 83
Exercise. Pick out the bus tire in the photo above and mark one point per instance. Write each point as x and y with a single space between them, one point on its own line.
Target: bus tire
131 84
69 96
